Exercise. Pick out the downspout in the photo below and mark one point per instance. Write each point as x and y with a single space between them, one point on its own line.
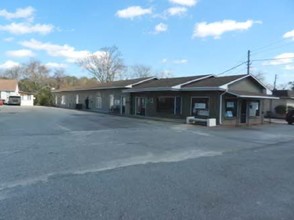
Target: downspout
221 107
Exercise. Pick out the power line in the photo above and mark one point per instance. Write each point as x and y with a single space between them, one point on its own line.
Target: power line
232 68
248 62
270 46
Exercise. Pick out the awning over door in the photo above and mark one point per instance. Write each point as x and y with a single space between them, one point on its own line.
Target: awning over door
245 94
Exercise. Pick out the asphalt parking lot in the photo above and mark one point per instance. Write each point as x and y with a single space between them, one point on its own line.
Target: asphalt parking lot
67 164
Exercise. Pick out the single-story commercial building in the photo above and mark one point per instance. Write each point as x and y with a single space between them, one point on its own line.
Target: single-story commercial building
231 100
104 97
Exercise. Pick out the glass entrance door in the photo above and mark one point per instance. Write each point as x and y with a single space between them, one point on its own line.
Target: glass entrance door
140 106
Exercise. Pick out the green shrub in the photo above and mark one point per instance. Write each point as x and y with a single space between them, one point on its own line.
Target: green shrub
281 109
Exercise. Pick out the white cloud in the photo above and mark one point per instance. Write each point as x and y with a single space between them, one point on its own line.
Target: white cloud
188 3
216 29
289 34
55 50
176 11
8 39
27 13
282 59
164 60
27 28
182 61
161 27
8 64
56 65
20 53
133 11
289 67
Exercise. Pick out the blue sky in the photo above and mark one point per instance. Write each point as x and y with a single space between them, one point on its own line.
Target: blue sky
181 37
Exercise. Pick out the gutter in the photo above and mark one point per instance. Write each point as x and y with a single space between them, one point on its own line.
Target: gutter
221 107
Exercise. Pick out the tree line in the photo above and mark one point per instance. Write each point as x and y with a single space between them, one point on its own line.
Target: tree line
36 78
105 66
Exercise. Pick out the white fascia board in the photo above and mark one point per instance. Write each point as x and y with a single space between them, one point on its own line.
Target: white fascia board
253 96
259 97
191 81
142 81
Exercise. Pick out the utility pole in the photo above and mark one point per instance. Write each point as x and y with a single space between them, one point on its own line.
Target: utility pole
275 82
248 62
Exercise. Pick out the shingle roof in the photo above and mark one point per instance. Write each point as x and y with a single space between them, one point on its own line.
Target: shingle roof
8 85
214 81
168 82
247 94
284 93
108 85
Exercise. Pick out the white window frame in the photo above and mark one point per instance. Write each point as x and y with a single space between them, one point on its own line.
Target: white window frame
63 100
98 102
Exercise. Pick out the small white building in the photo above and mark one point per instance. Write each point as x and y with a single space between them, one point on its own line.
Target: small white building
8 87
26 99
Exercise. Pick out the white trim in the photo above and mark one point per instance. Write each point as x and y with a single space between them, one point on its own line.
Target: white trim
252 96
221 108
191 81
140 82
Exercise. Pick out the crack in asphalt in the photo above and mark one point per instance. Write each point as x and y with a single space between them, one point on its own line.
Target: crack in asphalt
170 157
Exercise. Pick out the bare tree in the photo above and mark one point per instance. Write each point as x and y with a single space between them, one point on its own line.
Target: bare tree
105 66
15 72
291 84
164 74
57 80
36 72
141 71
259 76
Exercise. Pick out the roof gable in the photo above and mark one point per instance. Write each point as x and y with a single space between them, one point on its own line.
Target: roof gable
176 82
215 81
8 85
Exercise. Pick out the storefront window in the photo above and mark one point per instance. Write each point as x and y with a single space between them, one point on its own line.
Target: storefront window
254 109
166 105
230 108
200 107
